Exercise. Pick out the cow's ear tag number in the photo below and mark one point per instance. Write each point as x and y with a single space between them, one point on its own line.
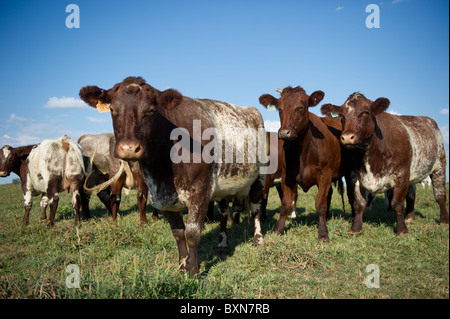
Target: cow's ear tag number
103 107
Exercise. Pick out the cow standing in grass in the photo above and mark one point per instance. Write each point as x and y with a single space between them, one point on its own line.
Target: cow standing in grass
144 121
47 169
99 149
311 151
390 152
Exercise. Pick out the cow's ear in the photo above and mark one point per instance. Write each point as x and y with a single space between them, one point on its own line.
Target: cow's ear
315 98
380 105
169 99
330 110
94 95
267 99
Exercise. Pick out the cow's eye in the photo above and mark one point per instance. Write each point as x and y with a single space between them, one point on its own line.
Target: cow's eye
365 115
113 110
300 109
149 112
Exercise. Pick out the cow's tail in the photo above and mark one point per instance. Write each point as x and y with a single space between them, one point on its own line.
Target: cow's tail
97 189
65 148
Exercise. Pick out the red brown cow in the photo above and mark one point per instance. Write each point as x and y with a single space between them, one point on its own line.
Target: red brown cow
166 132
105 165
311 151
47 168
390 152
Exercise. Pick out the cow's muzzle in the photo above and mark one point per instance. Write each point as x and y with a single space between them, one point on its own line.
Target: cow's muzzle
129 150
349 138
286 135
4 174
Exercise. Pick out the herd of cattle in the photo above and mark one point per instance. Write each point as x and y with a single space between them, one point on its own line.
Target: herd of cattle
374 152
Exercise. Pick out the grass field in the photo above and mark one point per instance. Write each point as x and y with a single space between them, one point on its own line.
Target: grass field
125 260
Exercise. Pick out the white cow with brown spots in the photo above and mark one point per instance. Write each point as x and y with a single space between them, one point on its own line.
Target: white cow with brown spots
47 169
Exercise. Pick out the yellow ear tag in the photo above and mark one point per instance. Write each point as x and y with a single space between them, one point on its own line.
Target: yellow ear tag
103 107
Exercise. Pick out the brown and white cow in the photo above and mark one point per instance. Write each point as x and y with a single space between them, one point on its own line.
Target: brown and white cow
47 169
104 165
390 152
144 121
311 151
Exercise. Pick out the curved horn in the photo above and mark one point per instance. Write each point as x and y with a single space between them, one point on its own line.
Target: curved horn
97 189
279 90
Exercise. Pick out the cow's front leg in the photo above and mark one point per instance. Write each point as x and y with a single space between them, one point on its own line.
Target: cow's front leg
398 206
322 208
176 223
286 203
142 191
116 195
198 207
28 203
359 204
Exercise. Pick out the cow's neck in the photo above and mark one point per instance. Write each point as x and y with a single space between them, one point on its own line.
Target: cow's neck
302 135
371 154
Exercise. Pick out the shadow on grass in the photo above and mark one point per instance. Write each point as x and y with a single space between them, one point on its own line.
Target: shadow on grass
377 214
66 212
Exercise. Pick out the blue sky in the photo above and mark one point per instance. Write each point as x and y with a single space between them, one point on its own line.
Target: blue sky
232 51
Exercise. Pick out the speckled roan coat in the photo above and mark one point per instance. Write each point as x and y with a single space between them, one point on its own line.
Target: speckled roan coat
47 169
390 152
106 165
143 119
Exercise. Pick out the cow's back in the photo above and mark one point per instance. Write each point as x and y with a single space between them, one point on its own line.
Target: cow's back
234 174
100 145
61 157
229 122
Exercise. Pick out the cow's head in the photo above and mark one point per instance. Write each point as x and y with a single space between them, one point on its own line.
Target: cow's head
292 107
135 108
358 118
7 159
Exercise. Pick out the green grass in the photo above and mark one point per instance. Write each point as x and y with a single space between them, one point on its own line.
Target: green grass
126 260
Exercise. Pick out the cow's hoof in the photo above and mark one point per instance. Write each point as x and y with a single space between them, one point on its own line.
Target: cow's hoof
353 233
258 240
222 250
409 220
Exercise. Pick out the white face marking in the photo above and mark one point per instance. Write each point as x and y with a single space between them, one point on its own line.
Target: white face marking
349 108
6 152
